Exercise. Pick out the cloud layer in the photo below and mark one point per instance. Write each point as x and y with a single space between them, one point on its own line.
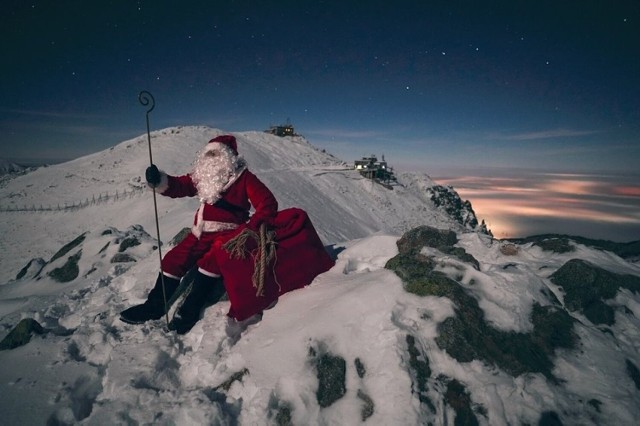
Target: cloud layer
596 206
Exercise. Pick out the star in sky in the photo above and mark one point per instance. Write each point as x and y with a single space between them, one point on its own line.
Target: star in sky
444 84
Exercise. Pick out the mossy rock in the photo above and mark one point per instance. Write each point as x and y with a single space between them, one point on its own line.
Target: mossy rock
420 372
467 336
410 266
587 286
414 240
552 328
461 254
556 245
21 334
68 247
420 279
69 271
457 397
624 250
417 238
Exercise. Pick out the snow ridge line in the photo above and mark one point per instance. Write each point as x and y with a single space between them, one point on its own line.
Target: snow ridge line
93 201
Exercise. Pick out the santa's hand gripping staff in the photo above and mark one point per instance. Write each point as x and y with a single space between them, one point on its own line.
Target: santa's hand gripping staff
227 190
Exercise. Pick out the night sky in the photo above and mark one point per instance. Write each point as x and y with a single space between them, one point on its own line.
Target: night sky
449 88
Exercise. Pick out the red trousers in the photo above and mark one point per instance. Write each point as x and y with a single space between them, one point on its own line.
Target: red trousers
191 251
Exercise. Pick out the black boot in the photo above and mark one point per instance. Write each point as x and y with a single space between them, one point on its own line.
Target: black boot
153 308
205 290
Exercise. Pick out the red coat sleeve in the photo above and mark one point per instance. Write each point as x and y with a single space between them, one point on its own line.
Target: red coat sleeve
262 200
180 186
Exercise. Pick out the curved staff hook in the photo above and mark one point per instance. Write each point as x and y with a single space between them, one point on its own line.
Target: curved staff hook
146 99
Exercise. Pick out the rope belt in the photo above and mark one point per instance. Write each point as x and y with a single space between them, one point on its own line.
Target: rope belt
263 255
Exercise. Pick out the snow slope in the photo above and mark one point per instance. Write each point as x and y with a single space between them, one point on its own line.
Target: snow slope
341 203
90 368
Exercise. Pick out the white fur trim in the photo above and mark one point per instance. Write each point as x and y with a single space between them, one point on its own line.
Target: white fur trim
209 225
168 275
236 176
207 273
213 226
199 226
211 146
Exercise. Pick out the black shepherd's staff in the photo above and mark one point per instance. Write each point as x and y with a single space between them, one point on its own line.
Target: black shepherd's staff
146 99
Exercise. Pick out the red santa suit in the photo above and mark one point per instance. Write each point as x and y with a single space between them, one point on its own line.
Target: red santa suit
224 207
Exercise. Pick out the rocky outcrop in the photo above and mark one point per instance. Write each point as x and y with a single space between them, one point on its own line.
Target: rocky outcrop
467 336
21 334
589 288
446 198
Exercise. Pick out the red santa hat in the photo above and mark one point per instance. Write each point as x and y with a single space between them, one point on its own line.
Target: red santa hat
228 140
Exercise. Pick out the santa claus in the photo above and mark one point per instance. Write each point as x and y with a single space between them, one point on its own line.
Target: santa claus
227 190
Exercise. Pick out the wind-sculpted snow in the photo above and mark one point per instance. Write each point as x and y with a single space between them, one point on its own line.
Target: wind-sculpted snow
465 329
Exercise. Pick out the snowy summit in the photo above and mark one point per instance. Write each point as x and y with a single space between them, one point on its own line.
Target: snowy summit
424 319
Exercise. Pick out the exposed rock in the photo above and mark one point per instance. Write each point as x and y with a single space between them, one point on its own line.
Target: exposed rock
417 238
628 250
587 286
122 258
68 247
368 406
634 373
414 240
331 372
549 418
283 415
69 271
360 369
445 197
467 336
31 269
509 249
457 397
420 372
21 334
556 245
235 377
129 241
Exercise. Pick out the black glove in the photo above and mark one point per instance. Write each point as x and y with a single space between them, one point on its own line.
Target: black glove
153 176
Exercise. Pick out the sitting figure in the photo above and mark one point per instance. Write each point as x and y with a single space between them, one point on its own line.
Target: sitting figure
227 190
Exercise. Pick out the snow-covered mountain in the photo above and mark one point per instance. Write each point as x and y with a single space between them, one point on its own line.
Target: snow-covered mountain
444 325
7 166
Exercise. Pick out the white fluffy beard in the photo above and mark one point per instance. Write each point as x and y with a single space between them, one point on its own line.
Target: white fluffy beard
213 169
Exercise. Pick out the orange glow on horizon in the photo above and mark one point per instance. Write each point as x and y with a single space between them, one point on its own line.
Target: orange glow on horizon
507 204
571 186
627 191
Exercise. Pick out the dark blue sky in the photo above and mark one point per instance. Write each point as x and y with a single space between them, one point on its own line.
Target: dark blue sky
433 85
